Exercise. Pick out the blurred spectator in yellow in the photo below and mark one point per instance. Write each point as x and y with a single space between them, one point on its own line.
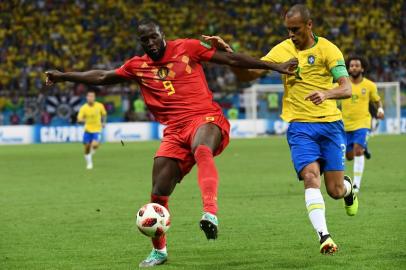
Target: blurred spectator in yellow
88 34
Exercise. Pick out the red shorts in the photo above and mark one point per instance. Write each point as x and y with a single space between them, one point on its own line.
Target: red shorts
177 140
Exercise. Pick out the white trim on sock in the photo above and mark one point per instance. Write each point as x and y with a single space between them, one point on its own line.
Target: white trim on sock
163 250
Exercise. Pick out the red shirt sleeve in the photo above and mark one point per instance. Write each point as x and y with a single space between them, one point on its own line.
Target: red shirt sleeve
198 50
125 70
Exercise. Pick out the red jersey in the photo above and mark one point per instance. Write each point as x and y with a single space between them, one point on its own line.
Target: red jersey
175 87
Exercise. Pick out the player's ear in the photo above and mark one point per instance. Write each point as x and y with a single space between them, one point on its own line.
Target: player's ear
309 24
161 32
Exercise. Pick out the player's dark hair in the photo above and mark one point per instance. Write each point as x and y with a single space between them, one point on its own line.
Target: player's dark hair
91 91
363 61
302 10
149 21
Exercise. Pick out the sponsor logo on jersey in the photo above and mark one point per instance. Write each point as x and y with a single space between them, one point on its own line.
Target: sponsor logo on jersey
363 91
209 118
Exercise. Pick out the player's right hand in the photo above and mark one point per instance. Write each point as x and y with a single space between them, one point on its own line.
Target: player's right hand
218 42
53 76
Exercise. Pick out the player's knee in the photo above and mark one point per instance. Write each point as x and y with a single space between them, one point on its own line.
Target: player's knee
95 146
359 151
335 192
208 135
203 145
311 179
349 156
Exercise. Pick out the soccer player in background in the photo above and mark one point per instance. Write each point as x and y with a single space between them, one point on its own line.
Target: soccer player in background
175 90
356 115
94 116
316 133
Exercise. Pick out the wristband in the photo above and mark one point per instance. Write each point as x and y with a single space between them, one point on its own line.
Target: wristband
380 110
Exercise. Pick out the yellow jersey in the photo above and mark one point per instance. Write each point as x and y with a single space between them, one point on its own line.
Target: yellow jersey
356 109
92 115
314 72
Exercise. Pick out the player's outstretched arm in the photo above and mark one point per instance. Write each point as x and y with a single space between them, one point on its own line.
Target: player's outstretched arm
244 75
218 43
244 61
94 77
342 91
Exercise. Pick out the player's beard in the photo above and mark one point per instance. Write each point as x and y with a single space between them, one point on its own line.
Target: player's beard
158 55
355 75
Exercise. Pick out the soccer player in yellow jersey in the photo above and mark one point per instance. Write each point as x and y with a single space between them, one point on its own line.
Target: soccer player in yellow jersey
93 114
316 133
356 116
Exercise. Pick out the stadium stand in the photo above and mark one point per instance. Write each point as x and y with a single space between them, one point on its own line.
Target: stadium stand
66 35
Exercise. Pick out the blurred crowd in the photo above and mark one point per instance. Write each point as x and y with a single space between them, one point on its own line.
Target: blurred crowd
99 34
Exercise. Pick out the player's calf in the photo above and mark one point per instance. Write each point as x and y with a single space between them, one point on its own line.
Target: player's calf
93 147
336 187
208 183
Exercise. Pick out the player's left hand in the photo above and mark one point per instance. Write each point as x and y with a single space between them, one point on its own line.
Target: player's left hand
289 67
218 42
53 76
317 97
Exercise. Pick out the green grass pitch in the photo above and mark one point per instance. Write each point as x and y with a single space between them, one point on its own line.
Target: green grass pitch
56 215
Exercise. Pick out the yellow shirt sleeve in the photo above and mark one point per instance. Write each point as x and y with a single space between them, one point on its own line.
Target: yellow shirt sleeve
103 110
373 94
81 114
334 57
334 61
275 55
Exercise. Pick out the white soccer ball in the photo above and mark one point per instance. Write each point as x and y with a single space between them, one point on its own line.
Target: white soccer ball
153 220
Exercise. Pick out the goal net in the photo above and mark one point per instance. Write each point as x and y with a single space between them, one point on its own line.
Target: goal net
263 103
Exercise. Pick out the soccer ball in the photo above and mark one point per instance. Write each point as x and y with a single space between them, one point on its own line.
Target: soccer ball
153 220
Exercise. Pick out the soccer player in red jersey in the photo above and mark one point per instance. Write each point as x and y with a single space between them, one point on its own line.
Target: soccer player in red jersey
175 90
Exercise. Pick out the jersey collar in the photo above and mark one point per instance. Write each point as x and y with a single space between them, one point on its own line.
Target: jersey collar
316 39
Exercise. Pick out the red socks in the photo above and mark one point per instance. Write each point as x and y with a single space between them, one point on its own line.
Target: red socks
160 242
207 177
208 182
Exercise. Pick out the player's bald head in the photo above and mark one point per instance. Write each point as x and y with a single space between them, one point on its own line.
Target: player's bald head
299 10
150 23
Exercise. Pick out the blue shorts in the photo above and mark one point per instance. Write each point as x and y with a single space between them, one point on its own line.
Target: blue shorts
89 137
322 142
359 136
